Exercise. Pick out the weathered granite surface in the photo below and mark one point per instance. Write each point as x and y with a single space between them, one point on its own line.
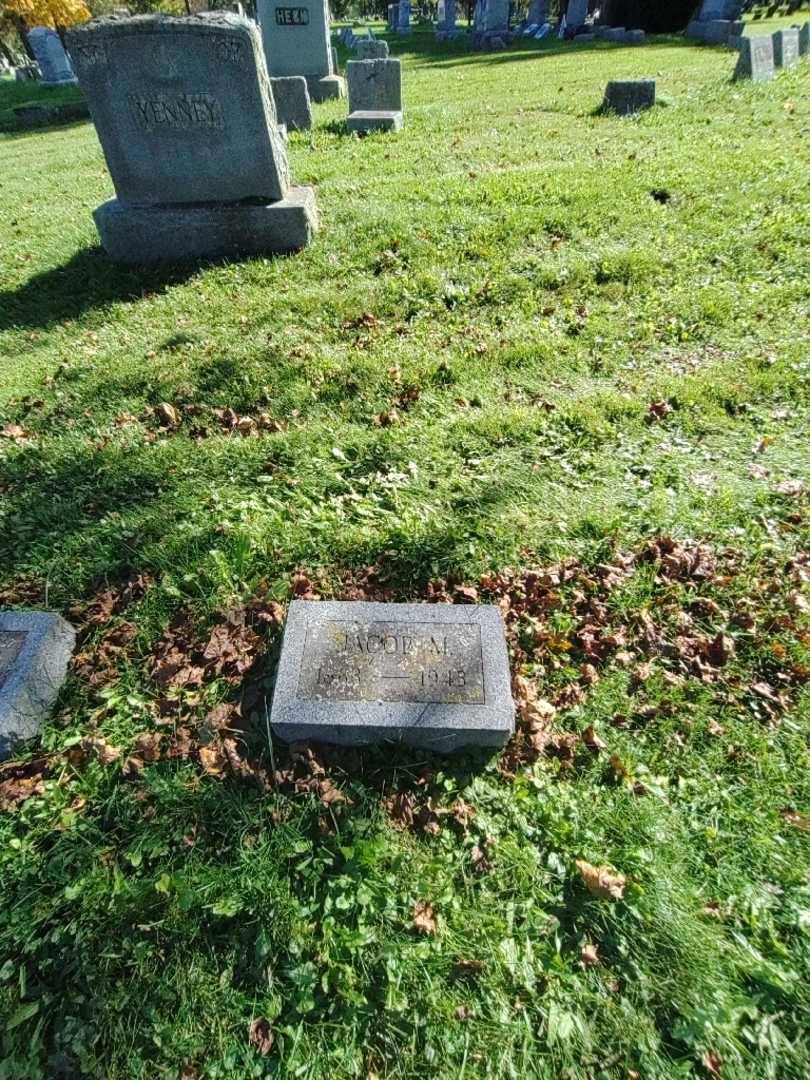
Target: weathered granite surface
143 236
53 61
786 48
35 647
371 49
625 97
296 39
293 108
755 60
429 675
182 108
364 121
374 85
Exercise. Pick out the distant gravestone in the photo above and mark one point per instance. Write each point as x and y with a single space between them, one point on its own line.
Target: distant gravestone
626 97
370 49
51 56
446 28
785 48
404 17
393 17
433 676
804 39
616 34
719 9
375 95
577 13
188 127
293 108
296 42
491 24
35 647
635 37
538 13
755 60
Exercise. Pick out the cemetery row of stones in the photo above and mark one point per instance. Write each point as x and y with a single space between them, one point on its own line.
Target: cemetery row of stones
194 130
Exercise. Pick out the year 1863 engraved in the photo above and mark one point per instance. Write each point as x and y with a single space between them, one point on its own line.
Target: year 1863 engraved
11 642
393 661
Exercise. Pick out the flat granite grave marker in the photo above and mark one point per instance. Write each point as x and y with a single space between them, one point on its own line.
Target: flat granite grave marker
35 647
429 675
187 122
375 95
296 42
786 48
53 61
755 60
625 97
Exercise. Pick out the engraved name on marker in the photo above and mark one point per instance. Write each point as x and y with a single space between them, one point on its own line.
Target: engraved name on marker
292 16
11 643
182 112
393 661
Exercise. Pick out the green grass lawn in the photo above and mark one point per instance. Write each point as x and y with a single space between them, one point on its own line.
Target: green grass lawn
537 356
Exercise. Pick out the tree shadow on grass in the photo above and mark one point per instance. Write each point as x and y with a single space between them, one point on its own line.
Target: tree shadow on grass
88 280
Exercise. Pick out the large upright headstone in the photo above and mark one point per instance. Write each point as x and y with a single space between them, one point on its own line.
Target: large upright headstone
428 675
786 48
755 60
296 42
35 647
375 95
188 127
51 56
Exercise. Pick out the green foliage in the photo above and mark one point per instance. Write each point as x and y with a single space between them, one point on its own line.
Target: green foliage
574 364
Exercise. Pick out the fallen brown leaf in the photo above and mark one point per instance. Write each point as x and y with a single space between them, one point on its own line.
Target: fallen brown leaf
601 881
261 1035
588 956
423 919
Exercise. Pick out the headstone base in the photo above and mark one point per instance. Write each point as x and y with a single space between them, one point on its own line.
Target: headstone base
293 108
627 97
35 647
146 235
364 121
327 88
55 84
35 115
